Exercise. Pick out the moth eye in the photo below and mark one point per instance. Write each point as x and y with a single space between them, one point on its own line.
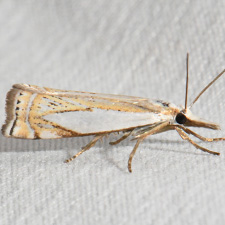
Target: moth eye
181 118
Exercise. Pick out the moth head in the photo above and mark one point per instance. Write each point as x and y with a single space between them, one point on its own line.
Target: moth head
187 118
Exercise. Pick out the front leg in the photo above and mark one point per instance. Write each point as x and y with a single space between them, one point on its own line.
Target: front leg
186 137
188 131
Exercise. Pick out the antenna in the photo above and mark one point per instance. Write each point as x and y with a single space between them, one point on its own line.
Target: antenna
186 94
217 77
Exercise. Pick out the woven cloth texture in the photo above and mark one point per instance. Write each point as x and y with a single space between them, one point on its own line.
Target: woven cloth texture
135 48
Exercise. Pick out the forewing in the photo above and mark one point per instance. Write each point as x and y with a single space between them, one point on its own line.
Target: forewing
35 112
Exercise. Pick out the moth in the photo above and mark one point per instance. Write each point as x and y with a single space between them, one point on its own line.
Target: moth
43 113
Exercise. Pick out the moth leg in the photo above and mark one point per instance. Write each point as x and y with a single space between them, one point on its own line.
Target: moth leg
87 147
186 137
153 130
199 136
140 138
133 153
120 139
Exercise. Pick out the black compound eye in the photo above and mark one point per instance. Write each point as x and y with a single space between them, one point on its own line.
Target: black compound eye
181 118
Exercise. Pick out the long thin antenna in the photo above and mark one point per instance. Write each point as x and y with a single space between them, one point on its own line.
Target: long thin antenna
186 94
217 77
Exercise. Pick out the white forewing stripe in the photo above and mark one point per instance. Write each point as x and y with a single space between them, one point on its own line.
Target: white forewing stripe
70 101
31 134
48 135
101 120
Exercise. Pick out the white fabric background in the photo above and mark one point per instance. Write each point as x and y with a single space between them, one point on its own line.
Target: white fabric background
121 47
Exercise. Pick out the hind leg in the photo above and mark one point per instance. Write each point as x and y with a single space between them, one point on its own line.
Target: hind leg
120 139
87 147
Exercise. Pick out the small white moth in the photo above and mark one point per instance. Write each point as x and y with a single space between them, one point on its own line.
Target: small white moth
34 112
